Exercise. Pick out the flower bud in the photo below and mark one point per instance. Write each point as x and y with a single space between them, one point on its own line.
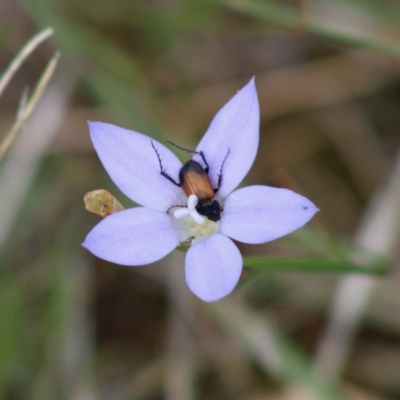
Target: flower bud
101 202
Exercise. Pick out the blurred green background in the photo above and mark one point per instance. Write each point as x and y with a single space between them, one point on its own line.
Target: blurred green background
328 79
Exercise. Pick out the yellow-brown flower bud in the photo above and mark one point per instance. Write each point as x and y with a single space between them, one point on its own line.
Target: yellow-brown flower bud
101 202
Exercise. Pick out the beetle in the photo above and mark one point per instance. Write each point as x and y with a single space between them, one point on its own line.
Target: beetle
194 179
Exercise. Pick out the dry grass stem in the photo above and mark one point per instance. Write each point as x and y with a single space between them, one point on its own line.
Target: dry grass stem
25 52
26 110
19 168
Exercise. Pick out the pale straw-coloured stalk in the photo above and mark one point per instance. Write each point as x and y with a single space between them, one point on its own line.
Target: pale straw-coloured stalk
19 167
27 106
24 53
379 232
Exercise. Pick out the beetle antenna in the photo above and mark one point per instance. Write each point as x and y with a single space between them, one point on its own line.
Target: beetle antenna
181 148
207 168
158 155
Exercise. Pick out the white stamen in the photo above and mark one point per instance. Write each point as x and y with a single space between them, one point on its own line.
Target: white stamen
181 212
191 206
192 201
196 227
190 210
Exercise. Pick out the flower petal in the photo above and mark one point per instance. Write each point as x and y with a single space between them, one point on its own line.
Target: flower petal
133 165
235 128
213 267
134 237
259 214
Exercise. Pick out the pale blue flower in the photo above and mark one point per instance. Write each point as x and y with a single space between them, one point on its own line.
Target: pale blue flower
143 235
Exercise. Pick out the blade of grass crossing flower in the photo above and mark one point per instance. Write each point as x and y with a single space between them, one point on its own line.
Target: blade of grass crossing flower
315 265
315 243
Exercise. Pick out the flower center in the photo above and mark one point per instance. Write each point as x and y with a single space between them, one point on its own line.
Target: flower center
197 226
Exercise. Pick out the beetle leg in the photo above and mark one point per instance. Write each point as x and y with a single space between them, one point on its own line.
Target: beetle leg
207 168
163 172
220 173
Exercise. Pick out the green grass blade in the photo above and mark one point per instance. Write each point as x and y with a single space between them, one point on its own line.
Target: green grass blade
316 265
